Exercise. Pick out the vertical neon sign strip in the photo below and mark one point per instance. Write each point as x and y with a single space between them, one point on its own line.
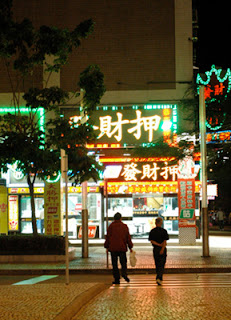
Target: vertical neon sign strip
174 118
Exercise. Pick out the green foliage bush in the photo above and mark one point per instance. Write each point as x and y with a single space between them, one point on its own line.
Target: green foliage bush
32 245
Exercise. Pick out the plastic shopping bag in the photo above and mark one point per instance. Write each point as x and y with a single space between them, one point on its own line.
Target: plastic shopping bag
133 258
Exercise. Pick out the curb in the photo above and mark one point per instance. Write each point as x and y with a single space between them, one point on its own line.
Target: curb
80 301
109 271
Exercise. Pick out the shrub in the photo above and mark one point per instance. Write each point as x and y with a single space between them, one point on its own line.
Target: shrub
32 245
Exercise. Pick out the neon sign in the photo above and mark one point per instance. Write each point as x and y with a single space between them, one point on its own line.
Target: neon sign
217 84
132 125
39 111
146 187
216 91
149 125
216 81
147 172
218 136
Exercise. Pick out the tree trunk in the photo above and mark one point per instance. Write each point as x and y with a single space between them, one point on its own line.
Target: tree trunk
32 202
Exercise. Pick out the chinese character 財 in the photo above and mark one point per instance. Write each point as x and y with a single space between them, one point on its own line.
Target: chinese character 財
106 126
150 172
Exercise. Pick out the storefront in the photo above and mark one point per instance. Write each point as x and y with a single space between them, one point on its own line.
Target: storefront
95 213
140 188
149 192
19 211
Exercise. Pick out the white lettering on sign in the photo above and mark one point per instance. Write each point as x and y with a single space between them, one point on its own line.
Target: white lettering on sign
150 124
130 172
150 172
106 126
109 128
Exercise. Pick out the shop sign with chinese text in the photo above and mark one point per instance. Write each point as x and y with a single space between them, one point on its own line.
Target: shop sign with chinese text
217 83
145 171
91 232
52 208
132 125
145 187
186 192
13 213
3 210
218 136
150 187
186 203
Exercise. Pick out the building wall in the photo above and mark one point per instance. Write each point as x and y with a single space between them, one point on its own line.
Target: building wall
133 42
141 47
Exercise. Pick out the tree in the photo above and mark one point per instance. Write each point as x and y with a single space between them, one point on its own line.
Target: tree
24 51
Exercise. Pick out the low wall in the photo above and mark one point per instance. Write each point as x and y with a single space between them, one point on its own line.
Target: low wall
37 258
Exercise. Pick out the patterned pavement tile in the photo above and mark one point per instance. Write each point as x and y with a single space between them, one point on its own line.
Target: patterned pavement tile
38 302
181 299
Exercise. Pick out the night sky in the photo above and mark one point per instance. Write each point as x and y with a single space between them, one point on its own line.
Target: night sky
214 34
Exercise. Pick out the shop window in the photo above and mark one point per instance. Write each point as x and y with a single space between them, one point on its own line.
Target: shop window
26 215
122 205
75 214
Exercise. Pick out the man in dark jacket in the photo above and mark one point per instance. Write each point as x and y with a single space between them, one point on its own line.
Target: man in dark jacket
158 237
117 240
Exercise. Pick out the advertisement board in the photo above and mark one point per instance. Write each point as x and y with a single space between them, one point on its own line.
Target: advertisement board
92 232
13 212
3 210
52 208
143 171
186 203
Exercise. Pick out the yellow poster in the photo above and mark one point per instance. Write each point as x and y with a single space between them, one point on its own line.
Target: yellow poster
3 210
13 213
52 209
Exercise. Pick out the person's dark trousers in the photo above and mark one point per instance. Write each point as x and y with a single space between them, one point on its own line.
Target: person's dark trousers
123 261
221 224
160 260
42 225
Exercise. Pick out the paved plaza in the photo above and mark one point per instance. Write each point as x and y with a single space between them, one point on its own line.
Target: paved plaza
194 287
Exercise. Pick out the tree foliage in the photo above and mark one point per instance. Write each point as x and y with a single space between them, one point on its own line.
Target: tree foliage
174 152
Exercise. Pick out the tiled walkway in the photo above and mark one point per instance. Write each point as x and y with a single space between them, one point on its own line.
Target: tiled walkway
48 300
179 259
